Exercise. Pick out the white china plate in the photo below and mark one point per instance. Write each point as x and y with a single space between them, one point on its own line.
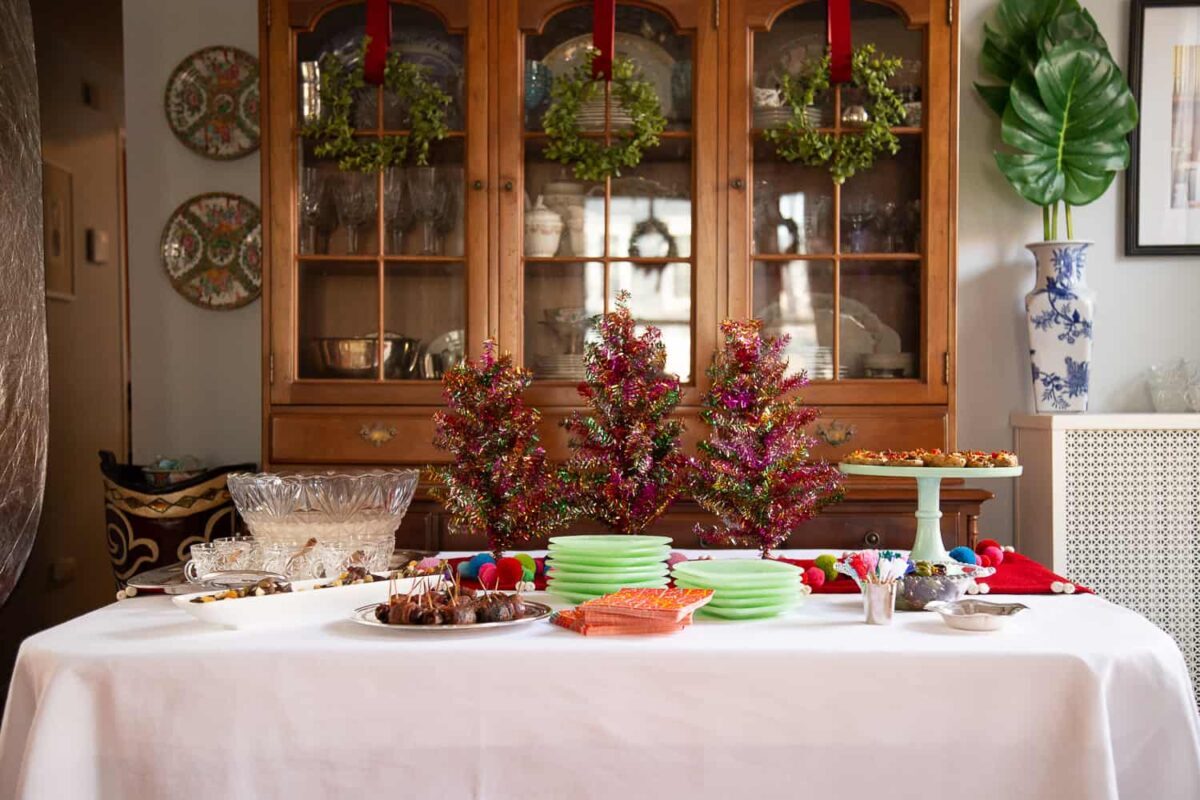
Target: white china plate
365 615
655 63
302 606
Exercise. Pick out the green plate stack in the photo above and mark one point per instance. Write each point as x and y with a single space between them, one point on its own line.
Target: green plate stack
584 567
744 588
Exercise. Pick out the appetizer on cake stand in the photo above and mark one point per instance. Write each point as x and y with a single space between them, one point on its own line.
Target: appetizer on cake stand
912 464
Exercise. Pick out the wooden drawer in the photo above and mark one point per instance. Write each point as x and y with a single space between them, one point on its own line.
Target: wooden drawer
839 430
359 437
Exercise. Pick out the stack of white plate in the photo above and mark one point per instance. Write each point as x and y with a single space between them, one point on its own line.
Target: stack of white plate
583 567
780 116
818 362
591 116
561 367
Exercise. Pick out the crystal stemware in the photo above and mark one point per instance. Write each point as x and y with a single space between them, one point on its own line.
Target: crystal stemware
428 199
312 208
397 209
451 209
355 200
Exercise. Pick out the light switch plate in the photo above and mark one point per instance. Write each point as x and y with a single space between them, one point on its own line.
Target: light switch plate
97 246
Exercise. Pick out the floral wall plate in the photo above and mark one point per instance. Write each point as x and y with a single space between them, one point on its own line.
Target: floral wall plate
212 102
212 250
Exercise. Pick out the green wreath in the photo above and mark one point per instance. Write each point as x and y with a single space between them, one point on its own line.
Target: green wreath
592 159
845 155
334 133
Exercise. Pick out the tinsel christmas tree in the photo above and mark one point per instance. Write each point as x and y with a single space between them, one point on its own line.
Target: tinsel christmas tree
753 471
499 482
626 465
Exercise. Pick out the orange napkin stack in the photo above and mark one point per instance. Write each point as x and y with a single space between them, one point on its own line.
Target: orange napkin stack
634 611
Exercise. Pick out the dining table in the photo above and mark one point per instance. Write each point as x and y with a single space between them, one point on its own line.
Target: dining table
1076 697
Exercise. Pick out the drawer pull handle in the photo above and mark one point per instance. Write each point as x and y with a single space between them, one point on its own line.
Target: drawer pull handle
872 539
377 434
836 433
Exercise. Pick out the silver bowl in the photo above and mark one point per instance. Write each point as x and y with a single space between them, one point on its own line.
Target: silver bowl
975 615
344 356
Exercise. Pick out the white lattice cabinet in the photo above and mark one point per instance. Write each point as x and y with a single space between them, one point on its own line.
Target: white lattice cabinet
1113 501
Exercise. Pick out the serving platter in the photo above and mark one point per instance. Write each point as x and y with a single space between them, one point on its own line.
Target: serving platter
365 615
304 605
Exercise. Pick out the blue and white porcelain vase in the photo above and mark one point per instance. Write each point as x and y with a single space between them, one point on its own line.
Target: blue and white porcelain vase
1059 311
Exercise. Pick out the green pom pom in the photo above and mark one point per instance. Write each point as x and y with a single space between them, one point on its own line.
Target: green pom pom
527 562
828 564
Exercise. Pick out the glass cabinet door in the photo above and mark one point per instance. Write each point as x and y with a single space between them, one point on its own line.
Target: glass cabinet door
842 269
386 267
575 244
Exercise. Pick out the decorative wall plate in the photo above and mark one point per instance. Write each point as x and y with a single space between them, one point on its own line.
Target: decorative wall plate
212 102
212 250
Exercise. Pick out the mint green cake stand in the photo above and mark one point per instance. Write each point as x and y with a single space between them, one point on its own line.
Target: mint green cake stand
928 544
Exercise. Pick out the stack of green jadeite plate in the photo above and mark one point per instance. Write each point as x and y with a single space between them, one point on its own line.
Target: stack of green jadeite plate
584 567
743 588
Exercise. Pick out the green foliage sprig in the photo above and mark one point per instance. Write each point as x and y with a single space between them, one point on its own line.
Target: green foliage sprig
334 133
590 158
847 153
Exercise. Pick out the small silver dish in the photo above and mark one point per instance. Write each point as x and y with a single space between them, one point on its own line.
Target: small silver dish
975 615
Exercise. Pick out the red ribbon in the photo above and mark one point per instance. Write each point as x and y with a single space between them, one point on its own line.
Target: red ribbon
604 35
839 41
379 29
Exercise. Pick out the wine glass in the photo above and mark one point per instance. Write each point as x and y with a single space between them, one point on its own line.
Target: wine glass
355 199
451 210
428 198
397 210
312 207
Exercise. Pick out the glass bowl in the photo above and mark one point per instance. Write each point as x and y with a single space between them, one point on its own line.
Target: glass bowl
327 506
916 591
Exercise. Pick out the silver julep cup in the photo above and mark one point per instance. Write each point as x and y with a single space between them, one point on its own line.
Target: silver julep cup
879 602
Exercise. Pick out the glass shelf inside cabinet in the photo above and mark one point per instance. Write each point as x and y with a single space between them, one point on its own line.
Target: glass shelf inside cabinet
418 36
838 267
585 241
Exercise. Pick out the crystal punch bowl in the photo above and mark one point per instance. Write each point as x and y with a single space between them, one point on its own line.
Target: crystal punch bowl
327 506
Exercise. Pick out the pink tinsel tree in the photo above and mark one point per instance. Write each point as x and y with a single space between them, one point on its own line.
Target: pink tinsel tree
626 463
753 471
500 482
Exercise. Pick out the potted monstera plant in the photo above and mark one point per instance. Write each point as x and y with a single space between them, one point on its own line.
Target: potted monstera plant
1065 111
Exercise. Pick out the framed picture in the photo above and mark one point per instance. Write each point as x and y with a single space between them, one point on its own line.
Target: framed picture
57 231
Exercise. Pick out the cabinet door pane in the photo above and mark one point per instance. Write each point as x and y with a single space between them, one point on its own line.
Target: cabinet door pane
795 298
880 319
651 207
424 307
561 301
881 208
337 211
660 295
793 208
423 209
338 304
575 226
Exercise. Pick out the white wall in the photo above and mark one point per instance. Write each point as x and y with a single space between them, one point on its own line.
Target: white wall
1146 307
195 373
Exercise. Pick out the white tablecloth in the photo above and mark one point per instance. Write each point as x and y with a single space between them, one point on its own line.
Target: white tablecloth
1078 699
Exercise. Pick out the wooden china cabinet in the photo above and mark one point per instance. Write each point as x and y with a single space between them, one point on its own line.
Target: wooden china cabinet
378 283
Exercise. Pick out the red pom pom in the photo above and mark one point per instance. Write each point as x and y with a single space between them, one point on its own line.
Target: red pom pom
509 571
815 577
985 544
995 554
487 575
984 561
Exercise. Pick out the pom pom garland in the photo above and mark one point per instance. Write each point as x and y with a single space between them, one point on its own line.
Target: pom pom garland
815 577
985 544
828 563
995 555
964 555
488 575
509 571
527 561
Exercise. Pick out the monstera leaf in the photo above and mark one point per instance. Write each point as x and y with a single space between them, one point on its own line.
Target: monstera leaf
1068 122
1014 45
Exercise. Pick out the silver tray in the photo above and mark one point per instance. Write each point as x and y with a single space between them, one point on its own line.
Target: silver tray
167 580
365 615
